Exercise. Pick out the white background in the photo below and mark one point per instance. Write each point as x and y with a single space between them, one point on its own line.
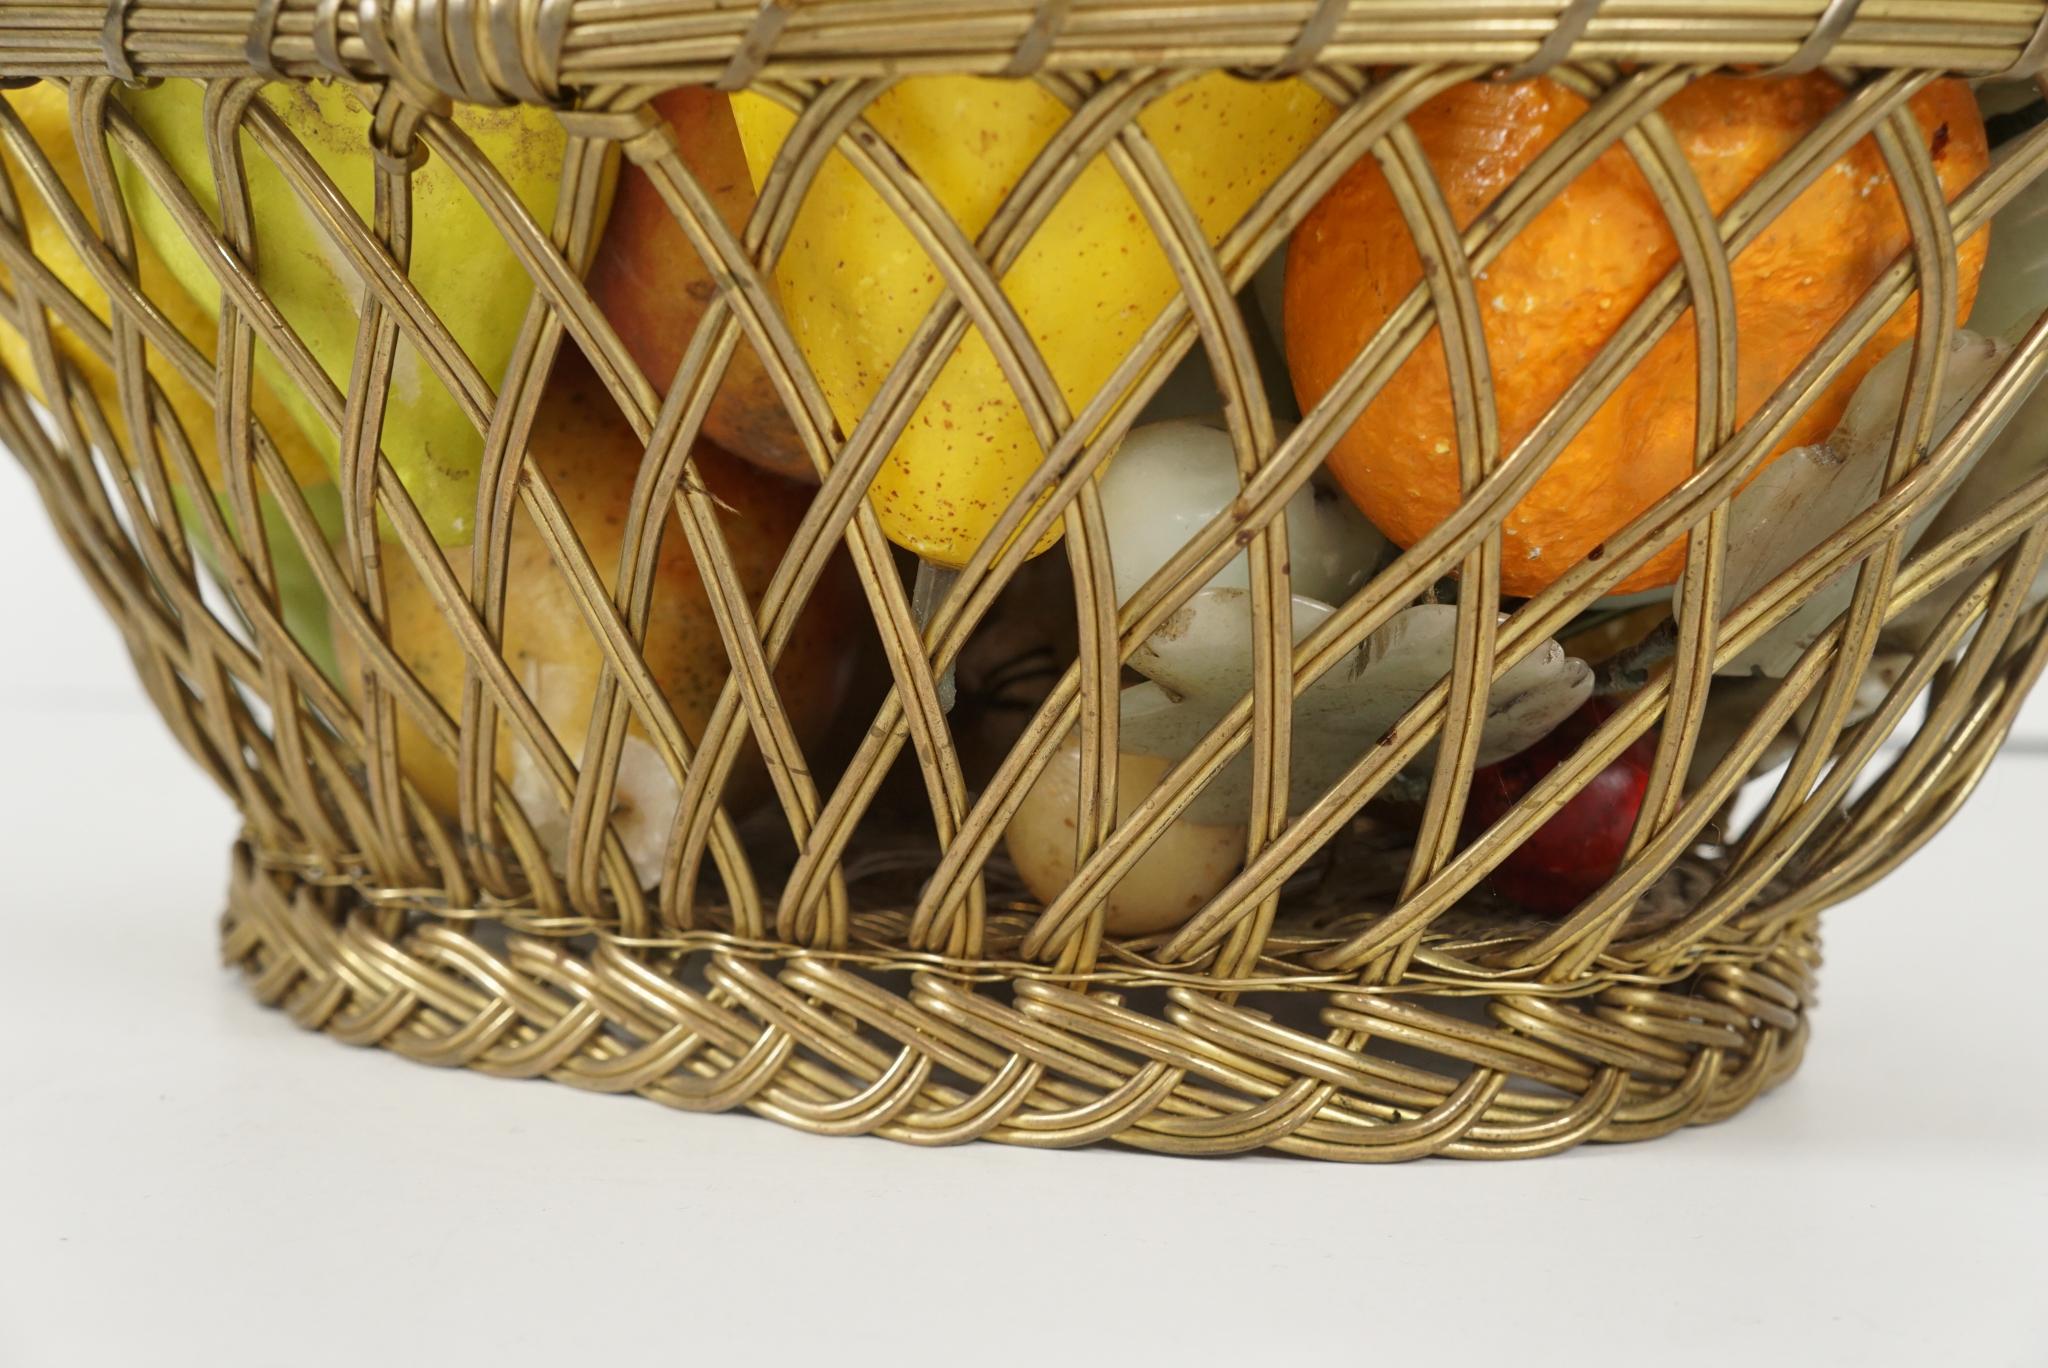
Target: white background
188 1178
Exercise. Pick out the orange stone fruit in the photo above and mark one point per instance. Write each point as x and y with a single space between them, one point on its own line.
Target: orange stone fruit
1561 289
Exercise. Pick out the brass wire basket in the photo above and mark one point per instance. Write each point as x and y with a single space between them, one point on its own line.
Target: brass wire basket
845 968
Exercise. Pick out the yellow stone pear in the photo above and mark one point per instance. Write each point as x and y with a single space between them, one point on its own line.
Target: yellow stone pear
460 263
43 110
591 457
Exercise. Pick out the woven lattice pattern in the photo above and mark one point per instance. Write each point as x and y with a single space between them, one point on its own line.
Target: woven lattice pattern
855 955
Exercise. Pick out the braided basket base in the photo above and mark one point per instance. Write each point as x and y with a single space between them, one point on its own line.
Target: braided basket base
1332 1072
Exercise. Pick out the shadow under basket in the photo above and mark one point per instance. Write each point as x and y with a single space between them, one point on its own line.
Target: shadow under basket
854 953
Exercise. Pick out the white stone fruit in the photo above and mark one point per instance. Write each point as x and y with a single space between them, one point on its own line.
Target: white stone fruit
2014 287
1169 479
1199 663
1188 865
1808 494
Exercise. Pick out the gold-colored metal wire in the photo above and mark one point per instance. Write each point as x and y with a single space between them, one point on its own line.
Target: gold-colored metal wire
1353 993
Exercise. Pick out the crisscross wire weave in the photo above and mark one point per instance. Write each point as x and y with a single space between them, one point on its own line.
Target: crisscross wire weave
1351 993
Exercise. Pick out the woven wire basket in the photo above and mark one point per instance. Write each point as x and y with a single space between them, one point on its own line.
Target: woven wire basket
858 956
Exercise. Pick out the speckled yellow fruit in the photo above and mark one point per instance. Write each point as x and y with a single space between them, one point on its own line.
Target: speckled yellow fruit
460 264
1188 865
856 285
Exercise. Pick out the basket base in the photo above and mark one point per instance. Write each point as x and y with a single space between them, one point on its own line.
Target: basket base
1344 1073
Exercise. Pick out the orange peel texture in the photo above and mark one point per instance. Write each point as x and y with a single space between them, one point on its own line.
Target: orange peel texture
1565 285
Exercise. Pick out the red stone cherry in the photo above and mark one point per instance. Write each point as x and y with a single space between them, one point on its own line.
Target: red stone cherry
1564 861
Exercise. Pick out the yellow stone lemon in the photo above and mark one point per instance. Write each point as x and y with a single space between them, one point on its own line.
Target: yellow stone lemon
856 285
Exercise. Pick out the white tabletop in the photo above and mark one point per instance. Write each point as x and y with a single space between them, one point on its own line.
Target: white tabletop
188 1178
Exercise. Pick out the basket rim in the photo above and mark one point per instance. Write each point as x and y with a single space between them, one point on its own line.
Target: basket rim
545 52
